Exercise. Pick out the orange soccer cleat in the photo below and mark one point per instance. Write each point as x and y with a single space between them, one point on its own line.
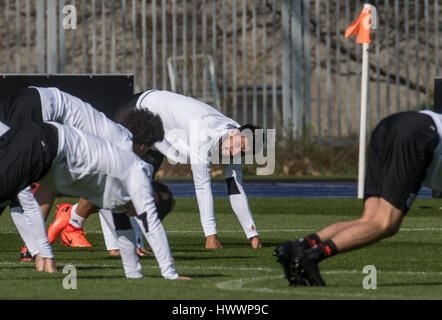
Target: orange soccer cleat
63 215
74 237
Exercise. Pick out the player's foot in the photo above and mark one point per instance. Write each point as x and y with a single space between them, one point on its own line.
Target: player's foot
307 268
286 253
212 242
25 255
256 242
114 253
74 237
63 215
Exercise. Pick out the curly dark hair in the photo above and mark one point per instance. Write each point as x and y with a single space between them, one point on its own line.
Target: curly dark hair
164 199
146 127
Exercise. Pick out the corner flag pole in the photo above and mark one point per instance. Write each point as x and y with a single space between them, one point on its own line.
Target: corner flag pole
361 27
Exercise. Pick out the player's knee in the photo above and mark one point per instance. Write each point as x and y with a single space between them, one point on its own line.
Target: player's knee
386 225
391 229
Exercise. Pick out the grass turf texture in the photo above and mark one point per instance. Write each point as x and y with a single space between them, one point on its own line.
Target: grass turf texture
409 264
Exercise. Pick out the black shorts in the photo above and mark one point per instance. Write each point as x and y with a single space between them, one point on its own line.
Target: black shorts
400 151
26 155
21 106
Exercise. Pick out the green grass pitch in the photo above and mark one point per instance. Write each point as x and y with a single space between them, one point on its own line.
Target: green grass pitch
409 265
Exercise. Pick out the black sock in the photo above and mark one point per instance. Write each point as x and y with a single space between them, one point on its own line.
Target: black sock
323 250
310 241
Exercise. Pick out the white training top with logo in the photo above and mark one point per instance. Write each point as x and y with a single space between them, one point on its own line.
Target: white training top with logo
191 129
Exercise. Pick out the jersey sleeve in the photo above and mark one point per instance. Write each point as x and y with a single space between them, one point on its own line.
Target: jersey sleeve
139 188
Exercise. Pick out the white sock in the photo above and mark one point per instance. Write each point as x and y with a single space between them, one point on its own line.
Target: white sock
76 221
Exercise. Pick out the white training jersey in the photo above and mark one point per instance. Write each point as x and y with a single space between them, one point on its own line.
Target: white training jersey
97 170
61 107
191 127
433 178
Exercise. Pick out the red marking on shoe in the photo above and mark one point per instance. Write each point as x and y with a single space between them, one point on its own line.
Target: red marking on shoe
26 259
328 251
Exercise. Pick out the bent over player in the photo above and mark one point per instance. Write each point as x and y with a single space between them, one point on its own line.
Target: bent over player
405 152
192 129
39 104
116 179
26 154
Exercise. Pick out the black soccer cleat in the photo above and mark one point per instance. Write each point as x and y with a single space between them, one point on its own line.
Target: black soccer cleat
307 269
25 255
286 253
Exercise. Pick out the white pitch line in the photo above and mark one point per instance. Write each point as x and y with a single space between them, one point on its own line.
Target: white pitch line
238 285
238 268
260 231
241 268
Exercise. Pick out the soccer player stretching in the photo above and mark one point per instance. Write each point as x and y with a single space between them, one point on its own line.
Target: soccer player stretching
404 153
193 133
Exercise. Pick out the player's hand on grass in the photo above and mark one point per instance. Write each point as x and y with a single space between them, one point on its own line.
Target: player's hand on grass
256 242
183 278
143 252
212 242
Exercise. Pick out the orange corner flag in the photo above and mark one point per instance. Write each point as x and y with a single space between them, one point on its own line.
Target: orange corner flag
361 27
